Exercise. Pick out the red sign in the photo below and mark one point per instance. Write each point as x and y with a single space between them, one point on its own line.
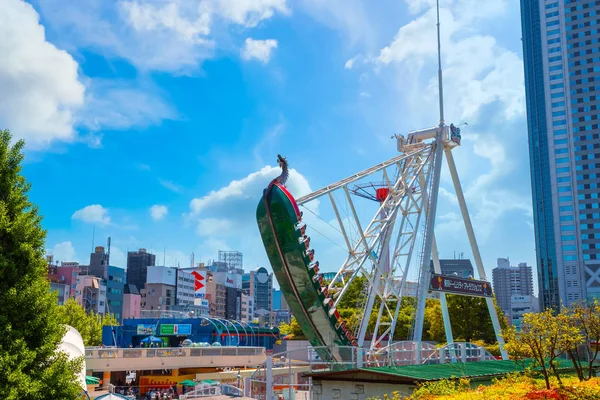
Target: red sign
198 282
467 287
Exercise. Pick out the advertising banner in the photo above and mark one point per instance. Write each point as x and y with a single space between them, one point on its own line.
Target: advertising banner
145 329
199 284
463 286
175 329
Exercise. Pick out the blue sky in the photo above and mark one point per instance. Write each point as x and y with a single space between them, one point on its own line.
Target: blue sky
158 122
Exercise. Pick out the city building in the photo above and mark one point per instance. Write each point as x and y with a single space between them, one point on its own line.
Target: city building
98 263
132 301
519 306
247 308
137 267
185 288
279 316
560 44
216 294
60 276
459 267
115 284
91 293
62 290
159 292
68 273
279 302
259 285
233 303
509 281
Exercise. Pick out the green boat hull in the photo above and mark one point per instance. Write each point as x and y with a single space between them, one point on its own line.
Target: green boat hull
278 217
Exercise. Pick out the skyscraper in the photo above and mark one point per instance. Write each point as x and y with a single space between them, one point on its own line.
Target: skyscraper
98 262
508 281
259 284
561 49
137 267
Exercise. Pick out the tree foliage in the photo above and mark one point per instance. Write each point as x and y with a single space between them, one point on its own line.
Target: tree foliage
88 325
545 337
30 330
586 318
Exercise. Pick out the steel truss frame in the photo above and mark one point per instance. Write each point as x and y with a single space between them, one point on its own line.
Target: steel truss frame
413 191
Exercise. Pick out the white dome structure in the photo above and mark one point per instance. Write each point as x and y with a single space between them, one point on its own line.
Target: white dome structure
72 345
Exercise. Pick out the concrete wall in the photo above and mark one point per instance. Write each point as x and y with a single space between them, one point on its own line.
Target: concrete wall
325 390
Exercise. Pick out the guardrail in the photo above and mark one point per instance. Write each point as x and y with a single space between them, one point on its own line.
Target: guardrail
172 352
116 359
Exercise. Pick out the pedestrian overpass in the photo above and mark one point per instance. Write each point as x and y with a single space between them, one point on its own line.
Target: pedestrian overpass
122 359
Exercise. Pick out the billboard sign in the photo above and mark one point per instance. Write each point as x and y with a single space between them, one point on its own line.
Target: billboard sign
145 329
463 286
175 329
199 284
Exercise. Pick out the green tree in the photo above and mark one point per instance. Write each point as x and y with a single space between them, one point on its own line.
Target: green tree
30 330
470 319
88 325
293 329
545 337
586 317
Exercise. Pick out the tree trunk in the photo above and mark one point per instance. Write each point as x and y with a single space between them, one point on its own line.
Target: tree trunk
553 366
577 364
545 372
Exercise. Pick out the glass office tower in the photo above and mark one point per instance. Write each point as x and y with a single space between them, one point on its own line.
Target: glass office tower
561 54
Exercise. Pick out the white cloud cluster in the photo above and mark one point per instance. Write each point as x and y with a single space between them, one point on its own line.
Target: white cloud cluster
40 84
250 13
477 70
64 252
93 214
158 212
258 49
171 35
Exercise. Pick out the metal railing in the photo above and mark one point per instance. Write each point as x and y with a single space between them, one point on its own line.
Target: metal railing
113 352
283 372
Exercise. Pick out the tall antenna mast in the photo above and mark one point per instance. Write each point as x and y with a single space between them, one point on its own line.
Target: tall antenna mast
440 83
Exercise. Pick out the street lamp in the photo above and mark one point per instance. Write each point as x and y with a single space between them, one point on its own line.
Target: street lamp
239 378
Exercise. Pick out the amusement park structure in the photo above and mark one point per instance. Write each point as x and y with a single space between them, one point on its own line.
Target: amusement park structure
398 239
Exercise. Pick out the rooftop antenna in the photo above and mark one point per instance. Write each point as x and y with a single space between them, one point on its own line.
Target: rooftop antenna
165 256
440 83
108 252
93 237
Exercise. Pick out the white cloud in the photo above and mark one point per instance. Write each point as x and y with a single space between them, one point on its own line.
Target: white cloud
477 70
93 214
158 212
145 17
172 35
250 12
121 105
172 186
39 83
246 190
64 252
350 63
214 227
258 49
347 16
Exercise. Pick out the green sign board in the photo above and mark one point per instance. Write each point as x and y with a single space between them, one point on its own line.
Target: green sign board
167 329
175 329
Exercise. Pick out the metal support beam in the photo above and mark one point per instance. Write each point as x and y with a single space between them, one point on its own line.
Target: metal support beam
425 273
475 248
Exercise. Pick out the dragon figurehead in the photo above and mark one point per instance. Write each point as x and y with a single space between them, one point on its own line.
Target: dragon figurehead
283 177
